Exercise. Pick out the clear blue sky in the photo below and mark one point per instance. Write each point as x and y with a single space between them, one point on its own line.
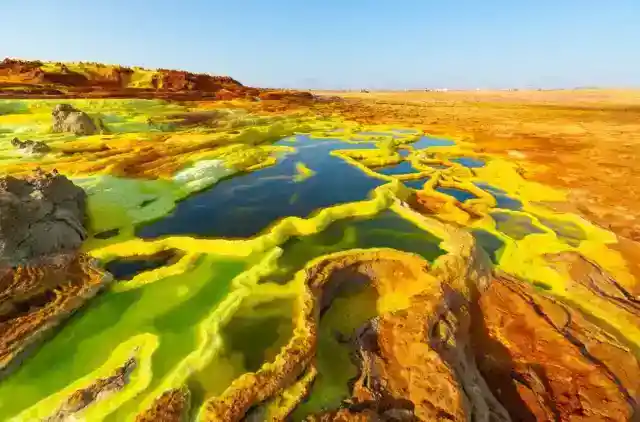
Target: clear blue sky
343 43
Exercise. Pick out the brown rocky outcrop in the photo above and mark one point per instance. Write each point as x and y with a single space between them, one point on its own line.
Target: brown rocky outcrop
35 298
67 118
43 276
416 363
547 361
30 147
98 390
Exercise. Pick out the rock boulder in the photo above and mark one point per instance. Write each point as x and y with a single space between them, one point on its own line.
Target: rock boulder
66 118
39 216
30 147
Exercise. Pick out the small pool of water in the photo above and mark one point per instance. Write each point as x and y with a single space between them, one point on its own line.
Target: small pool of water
170 308
460 194
469 162
416 183
253 336
502 199
568 231
127 268
427 141
404 153
404 167
489 242
507 202
246 204
489 188
386 230
514 225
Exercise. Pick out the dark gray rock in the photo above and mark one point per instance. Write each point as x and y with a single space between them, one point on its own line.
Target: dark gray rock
39 216
31 147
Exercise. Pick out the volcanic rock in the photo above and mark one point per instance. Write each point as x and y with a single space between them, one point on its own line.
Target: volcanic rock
66 118
39 216
30 147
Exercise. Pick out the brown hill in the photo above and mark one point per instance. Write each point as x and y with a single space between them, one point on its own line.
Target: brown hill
37 79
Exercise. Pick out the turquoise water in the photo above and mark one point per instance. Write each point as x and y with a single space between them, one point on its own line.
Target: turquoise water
489 242
507 202
170 308
503 200
489 188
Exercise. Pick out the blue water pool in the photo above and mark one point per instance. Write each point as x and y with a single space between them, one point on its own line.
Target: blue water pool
460 194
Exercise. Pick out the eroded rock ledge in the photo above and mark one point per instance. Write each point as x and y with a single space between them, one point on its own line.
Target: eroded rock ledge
101 388
43 276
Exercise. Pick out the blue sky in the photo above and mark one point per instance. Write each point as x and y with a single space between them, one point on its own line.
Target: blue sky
343 43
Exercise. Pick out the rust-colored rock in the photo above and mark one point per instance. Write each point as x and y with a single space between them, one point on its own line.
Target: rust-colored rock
37 297
98 390
546 361
416 363
171 406
426 204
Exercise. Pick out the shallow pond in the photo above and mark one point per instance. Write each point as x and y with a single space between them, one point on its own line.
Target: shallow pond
246 204
516 226
460 194
427 141
404 167
170 308
469 162
502 199
416 184
385 230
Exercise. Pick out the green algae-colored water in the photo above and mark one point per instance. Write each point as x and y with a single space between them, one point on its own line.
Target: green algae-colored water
170 308
254 336
385 230
349 310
